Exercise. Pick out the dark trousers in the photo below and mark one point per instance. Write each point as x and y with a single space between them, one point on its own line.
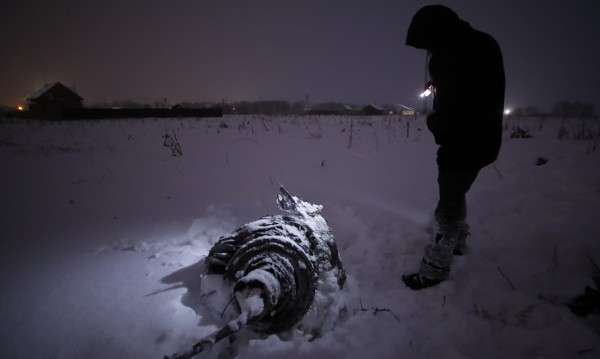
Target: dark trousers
453 185
450 216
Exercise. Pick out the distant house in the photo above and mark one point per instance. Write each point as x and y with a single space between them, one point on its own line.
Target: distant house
58 102
54 97
332 108
371 110
406 111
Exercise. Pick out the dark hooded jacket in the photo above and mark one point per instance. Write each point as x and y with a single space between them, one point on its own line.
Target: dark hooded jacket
467 72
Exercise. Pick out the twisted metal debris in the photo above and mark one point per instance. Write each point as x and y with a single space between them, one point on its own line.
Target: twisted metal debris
274 264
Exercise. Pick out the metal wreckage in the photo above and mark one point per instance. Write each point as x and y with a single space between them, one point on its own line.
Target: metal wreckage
273 272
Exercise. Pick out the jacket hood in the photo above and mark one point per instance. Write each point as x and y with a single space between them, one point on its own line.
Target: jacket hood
431 26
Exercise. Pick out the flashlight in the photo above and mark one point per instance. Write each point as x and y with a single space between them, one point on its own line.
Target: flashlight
428 89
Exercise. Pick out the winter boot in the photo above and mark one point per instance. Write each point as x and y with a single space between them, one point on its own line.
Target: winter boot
588 303
415 281
435 266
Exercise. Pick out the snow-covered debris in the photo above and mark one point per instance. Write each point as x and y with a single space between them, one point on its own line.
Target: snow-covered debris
275 266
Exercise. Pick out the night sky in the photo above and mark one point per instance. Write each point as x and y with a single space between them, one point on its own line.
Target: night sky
329 50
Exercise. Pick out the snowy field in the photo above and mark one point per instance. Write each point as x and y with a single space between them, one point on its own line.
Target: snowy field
103 231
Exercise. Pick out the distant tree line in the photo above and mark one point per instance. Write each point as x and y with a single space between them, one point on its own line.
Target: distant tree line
264 107
271 107
154 104
298 107
561 109
573 109
564 108
281 107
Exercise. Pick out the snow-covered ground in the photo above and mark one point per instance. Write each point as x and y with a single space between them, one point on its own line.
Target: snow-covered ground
103 232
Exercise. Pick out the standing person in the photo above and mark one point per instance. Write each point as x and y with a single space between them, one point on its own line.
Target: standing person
467 73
